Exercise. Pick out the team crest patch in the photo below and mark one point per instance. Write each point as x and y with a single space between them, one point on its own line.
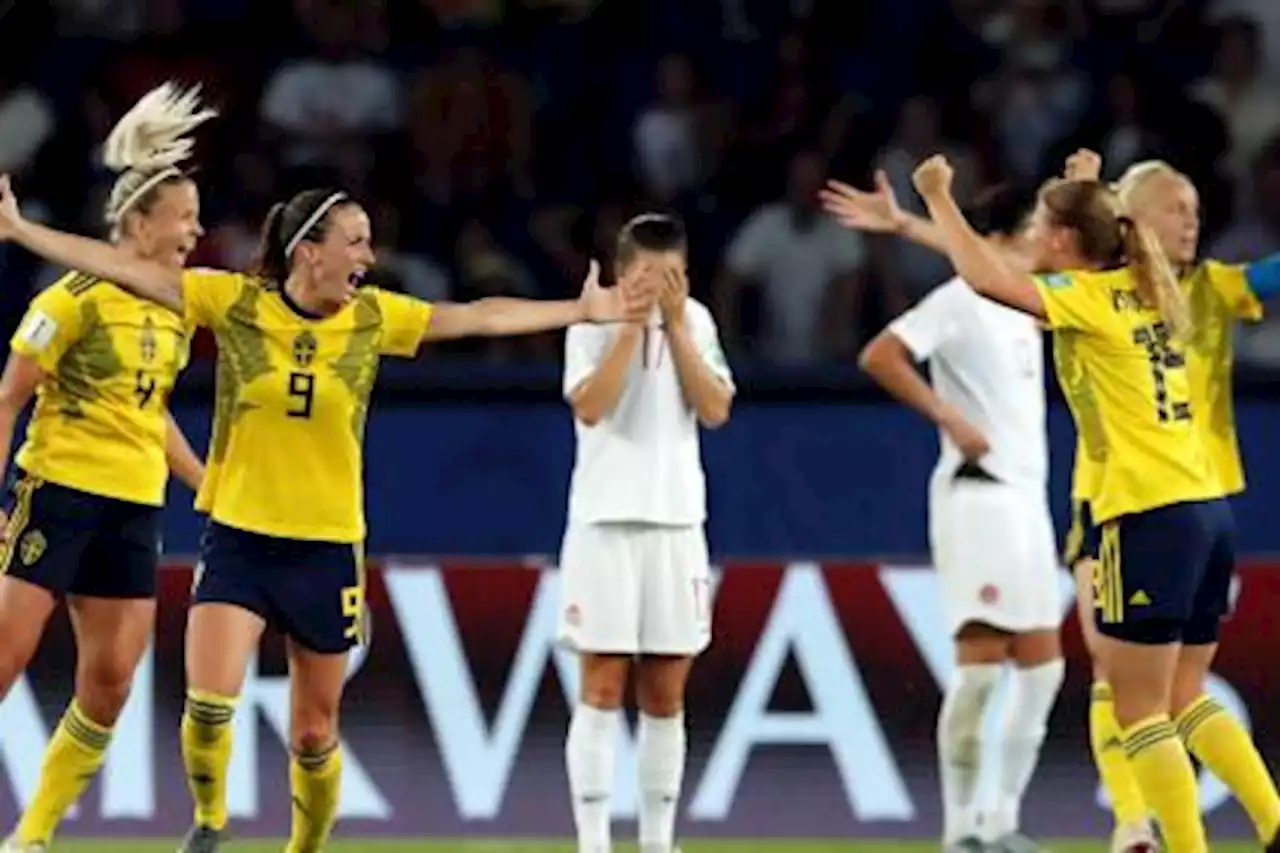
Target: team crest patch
32 547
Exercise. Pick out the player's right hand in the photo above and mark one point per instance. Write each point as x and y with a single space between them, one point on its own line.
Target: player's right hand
971 443
10 215
876 211
1084 165
932 178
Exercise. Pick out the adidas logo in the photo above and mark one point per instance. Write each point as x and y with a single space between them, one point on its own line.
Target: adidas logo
1139 599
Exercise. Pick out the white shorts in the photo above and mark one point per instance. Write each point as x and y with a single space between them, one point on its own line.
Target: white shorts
996 556
635 589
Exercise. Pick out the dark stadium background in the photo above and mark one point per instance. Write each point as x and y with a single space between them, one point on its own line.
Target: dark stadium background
498 145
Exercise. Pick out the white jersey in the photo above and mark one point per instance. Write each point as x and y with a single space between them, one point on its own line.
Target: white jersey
987 361
642 462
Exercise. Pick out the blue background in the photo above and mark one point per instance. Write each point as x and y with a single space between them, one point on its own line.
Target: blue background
470 472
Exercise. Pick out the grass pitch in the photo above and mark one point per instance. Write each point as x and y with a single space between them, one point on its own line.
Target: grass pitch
513 846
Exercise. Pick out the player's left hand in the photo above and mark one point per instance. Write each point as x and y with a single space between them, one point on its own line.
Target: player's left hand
671 298
932 178
626 301
1084 165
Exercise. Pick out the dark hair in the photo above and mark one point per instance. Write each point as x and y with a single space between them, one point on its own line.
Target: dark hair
1002 209
283 223
1109 238
649 232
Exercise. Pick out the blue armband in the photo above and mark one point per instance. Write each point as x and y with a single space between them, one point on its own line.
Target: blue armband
1264 277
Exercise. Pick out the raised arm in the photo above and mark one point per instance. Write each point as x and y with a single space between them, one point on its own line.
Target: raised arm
147 279
975 260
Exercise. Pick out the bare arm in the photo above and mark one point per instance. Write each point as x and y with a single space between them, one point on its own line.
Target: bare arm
146 279
976 261
18 384
501 316
595 396
178 454
704 392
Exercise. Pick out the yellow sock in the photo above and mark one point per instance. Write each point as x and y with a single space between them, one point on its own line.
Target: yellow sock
1163 770
1221 743
72 760
1117 776
206 752
316 779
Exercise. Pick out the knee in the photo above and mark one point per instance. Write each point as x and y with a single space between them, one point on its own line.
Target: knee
315 727
103 683
660 701
604 687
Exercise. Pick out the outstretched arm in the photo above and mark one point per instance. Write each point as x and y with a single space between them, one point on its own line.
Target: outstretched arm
878 212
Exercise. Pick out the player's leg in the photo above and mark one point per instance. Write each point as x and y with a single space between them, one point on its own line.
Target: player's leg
1151 565
1210 732
224 628
675 627
1034 613
1133 832
599 619
319 594
966 542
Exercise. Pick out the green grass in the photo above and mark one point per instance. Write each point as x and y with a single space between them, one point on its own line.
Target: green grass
501 846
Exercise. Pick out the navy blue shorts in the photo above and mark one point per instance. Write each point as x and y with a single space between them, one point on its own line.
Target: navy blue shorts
1083 538
313 592
76 543
1164 576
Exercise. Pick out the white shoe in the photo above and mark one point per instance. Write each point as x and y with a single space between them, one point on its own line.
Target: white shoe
12 845
1134 838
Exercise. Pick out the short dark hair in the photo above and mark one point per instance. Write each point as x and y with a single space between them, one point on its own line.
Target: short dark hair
650 232
1002 209
283 224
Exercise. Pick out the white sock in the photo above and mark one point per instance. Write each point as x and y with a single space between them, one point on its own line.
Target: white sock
959 746
589 757
661 756
1032 694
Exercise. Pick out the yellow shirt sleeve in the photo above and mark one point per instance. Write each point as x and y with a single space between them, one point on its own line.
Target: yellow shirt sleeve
207 295
1232 285
404 322
1070 302
51 325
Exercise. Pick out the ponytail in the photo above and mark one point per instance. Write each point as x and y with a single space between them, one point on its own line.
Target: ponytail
269 261
1157 284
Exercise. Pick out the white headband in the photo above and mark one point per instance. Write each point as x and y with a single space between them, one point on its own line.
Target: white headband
311 222
147 186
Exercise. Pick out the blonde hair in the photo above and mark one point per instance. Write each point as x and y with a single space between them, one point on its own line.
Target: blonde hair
1145 253
146 146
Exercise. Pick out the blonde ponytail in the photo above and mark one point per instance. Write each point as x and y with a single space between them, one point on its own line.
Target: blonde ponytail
147 144
1157 284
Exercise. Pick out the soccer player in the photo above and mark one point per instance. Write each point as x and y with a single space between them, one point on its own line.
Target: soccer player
1166 538
1163 199
82 518
636 577
299 342
990 528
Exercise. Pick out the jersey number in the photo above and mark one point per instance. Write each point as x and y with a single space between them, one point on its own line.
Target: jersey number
654 361
1163 358
144 387
302 390
353 611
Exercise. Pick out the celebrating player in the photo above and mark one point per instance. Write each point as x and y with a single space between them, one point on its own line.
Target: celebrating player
83 514
990 528
1166 201
1166 555
298 348
637 583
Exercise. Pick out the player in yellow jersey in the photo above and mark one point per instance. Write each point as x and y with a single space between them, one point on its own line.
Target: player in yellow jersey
82 519
1167 543
299 343
1166 201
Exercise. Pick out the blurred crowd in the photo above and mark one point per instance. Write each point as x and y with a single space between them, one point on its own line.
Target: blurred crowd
498 144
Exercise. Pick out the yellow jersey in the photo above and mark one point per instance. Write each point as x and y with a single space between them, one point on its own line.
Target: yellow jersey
110 360
1135 407
1220 296
285 458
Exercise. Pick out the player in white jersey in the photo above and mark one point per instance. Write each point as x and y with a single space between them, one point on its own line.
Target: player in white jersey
990 530
635 573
